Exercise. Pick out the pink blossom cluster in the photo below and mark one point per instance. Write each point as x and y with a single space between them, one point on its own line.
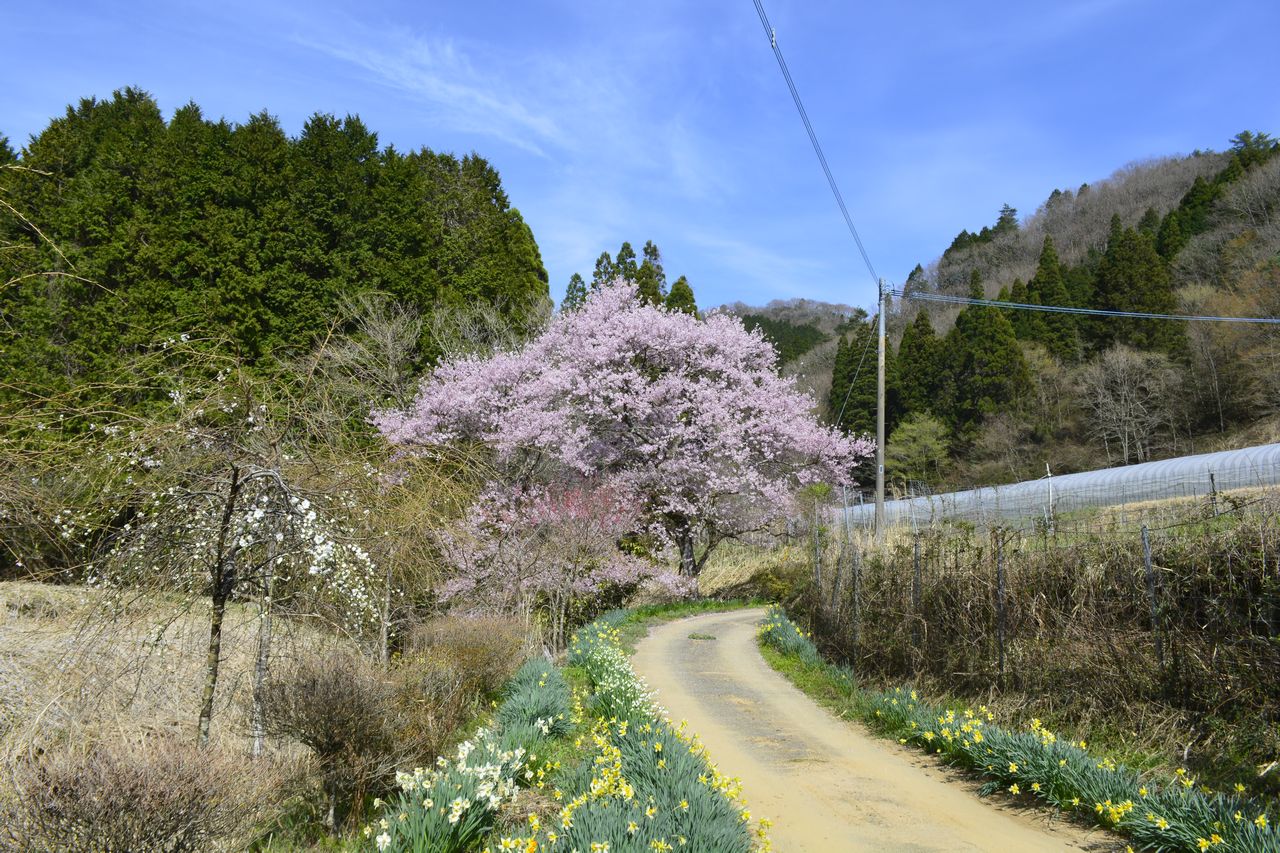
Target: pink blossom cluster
688 414
544 546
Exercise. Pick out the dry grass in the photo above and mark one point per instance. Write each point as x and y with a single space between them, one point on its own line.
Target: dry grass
158 793
108 695
69 659
74 667
742 571
1079 646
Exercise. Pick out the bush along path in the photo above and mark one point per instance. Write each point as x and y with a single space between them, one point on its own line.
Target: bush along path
1036 766
638 783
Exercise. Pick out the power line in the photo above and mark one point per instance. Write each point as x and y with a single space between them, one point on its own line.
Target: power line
1066 309
854 380
831 181
813 137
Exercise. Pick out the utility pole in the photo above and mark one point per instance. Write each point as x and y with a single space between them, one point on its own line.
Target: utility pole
880 414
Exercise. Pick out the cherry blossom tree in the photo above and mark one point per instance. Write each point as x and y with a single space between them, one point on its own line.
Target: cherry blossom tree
689 415
547 549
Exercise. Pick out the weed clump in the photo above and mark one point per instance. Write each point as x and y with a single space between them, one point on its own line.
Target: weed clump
158 793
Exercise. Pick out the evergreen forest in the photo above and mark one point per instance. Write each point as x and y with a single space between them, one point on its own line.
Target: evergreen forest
132 229
983 394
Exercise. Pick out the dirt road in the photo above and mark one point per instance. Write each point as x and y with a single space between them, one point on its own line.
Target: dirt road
827 784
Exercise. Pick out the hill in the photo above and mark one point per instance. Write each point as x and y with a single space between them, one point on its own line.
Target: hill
987 395
804 332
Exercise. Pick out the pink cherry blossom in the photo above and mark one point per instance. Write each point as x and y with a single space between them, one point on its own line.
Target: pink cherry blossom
688 414
547 550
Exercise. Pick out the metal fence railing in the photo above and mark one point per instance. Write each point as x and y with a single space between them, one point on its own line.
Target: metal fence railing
1037 501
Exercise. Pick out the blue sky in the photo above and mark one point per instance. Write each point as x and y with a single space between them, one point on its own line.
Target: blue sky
669 121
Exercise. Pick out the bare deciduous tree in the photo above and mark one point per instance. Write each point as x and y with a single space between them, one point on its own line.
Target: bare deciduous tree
483 328
1130 394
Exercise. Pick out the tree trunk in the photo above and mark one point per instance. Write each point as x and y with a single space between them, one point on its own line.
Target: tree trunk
264 652
688 566
224 581
212 660
385 633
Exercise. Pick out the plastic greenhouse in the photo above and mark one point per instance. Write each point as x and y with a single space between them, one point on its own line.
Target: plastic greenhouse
1049 497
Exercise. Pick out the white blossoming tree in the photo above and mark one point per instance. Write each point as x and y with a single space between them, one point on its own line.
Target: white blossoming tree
216 497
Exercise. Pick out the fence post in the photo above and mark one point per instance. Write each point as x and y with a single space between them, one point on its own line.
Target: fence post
857 592
915 594
844 494
835 582
1272 618
817 552
845 551
1000 605
1213 494
1151 593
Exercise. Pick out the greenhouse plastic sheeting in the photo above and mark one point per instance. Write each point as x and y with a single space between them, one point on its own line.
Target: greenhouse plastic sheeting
1184 477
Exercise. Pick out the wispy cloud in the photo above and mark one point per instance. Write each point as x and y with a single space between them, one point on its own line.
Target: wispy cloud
694 173
439 73
758 269
617 147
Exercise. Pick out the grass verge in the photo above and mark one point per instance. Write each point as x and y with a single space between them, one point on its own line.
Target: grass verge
1034 766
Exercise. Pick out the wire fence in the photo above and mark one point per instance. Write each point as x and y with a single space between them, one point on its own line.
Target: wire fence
1051 501
1169 608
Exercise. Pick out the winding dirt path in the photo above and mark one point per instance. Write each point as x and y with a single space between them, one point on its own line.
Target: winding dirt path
827 784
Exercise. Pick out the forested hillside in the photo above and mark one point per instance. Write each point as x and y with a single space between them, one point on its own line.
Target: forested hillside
155 228
791 340
986 394
982 395
805 334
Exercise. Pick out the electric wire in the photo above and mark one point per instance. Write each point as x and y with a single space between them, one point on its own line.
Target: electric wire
831 182
854 380
813 138
1066 309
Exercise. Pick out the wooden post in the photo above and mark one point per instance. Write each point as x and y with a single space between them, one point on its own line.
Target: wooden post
835 582
1000 615
915 594
1151 594
857 592
817 552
